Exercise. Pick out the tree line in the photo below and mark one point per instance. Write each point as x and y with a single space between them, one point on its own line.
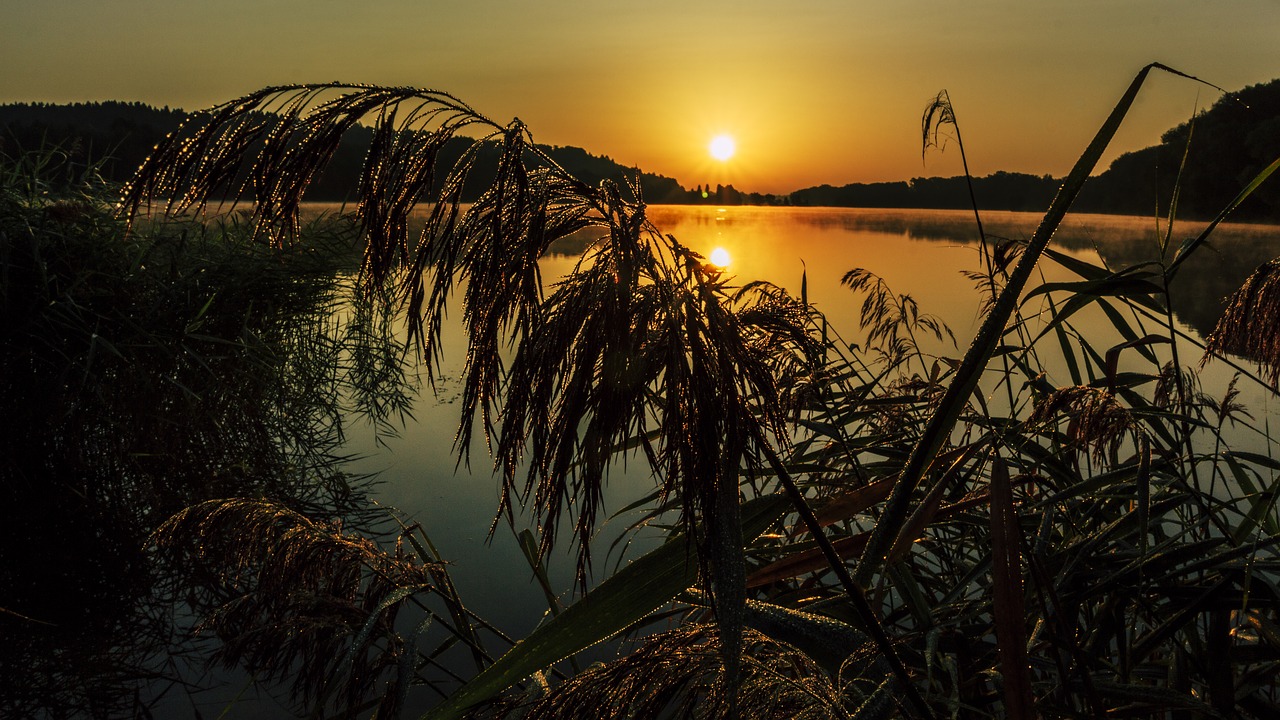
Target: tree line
116 137
1202 164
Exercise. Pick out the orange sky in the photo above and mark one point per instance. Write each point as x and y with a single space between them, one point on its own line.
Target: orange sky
814 92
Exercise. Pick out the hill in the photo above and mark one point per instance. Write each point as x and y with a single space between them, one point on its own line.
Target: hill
1225 147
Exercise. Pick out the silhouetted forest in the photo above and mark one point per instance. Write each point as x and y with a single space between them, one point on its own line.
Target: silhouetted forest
1229 144
1224 148
1001 191
118 136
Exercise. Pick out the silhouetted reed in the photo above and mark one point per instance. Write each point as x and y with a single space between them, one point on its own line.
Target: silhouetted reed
962 560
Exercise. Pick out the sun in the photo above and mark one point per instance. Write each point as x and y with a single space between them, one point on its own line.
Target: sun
722 147
719 257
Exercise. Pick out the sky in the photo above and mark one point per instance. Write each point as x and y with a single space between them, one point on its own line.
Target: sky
812 92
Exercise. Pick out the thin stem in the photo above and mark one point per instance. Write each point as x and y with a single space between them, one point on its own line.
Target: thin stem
856 596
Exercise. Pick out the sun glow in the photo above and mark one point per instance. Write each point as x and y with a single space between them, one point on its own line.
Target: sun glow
720 257
722 147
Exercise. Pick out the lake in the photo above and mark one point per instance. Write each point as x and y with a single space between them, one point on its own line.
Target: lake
920 253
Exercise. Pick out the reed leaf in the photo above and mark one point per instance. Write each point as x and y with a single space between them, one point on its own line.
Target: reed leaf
827 641
801 560
1192 244
928 509
1008 604
805 561
845 505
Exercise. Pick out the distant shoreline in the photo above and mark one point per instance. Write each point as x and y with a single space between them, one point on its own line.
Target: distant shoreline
1230 148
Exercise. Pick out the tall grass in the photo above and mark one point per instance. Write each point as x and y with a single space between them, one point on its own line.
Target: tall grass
872 534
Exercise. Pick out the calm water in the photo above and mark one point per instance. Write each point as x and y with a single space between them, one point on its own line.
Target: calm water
921 253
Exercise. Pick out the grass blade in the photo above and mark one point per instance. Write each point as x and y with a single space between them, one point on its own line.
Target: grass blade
1008 605
1192 244
627 596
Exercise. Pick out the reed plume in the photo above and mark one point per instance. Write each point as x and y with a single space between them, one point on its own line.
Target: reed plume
638 343
1096 419
1250 324
679 674
892 320
296 600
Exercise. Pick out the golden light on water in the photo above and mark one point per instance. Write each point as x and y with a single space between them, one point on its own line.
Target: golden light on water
722 147
719 257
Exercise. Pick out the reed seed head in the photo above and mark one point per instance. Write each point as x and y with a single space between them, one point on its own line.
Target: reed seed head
1096 420
1250 325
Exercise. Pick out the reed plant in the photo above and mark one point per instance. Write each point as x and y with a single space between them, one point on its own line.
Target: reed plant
864 531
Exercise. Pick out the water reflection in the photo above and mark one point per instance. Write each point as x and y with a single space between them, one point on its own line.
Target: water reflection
770 243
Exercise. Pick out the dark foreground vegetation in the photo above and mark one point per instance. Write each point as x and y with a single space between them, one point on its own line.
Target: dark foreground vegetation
1048 525
142 372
